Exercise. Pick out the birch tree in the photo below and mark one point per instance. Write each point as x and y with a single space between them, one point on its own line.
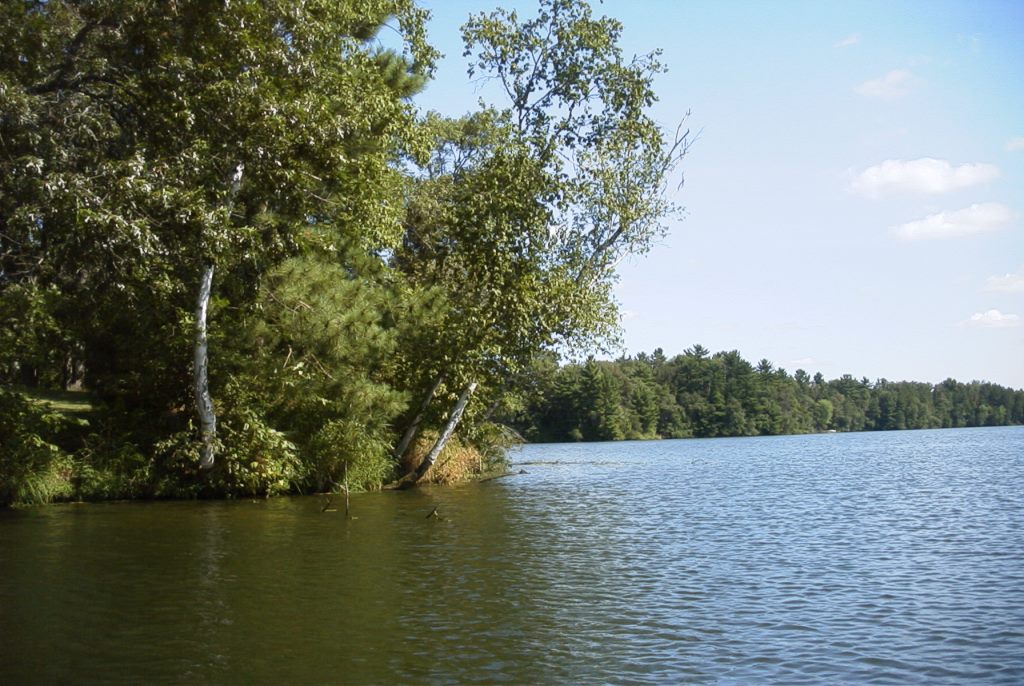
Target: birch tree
547 191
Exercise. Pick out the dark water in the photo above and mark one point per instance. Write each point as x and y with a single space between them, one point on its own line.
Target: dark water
852 558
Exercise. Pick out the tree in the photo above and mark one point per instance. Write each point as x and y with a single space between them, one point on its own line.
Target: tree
723 395
697 351
470 225
160 158
323 342
547 193
823 414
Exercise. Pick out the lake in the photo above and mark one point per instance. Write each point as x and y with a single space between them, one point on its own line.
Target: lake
875 558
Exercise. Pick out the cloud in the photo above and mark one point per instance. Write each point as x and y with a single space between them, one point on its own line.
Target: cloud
1015 143
993 319
850 40
926 175
802 362
895 84
1008 283
976 219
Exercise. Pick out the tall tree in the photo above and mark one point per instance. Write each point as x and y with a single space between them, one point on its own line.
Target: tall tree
571 179
159 158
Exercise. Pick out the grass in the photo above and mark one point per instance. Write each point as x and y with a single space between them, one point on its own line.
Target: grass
71 403
456 463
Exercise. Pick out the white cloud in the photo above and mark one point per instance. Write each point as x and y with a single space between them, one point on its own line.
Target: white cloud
993 319
1008 283
895 84
926 175
976 219
1015 143
850 40
802 362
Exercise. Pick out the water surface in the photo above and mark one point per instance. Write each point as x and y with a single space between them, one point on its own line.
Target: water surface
892 557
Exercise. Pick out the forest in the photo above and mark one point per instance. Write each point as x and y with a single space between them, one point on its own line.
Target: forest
236 259
697 394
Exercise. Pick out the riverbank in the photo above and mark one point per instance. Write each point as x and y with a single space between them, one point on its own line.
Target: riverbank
59 447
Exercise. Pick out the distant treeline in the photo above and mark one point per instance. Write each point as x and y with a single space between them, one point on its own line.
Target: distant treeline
703 395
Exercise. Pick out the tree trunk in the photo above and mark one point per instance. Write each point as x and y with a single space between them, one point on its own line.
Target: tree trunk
204 404
200 366
410 433
410 479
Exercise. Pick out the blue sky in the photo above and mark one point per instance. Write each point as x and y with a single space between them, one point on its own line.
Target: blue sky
855 201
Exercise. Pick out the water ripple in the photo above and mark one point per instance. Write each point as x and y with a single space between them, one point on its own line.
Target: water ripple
893 558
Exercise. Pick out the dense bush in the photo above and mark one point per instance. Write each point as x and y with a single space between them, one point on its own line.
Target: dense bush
343 453
33 469
255 460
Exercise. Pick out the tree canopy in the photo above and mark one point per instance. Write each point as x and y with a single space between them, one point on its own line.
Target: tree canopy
697 394
228 228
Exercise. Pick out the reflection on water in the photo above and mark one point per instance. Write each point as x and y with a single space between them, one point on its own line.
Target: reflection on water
849 558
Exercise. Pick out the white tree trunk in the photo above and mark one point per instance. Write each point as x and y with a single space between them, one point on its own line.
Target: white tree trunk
410 433
200 380
442 440
201 362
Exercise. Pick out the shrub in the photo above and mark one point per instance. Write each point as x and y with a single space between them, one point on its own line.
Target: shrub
344 451
110 468
33 469
253 459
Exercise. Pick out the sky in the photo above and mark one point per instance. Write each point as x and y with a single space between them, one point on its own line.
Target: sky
854 202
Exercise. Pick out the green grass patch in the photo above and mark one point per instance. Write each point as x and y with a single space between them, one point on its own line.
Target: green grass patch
72 403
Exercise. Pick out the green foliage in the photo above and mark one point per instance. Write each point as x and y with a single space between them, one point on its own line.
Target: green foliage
343 453
257 459
823 411
699 394
254 460
580 107
120 123
112 468
474 230
360 255
35 349
520 211
325 341
33 469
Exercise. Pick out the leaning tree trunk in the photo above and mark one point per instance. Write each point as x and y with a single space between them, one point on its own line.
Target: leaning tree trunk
204 404
201 364
410 432
410 479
